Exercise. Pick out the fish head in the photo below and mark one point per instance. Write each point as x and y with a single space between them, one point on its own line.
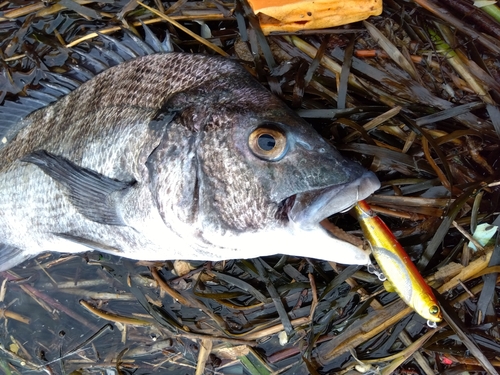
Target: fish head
302 173
261 169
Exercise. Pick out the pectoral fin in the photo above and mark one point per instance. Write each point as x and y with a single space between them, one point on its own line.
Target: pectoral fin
90 192
94 245
11 256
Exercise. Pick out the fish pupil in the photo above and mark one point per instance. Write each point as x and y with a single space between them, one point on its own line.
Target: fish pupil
266 142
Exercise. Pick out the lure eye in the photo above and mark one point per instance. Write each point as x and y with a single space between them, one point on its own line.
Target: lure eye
268 143
434 310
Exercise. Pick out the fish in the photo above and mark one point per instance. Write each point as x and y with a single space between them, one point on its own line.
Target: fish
401 274
171 156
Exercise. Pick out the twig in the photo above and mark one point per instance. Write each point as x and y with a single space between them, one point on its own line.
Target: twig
114 317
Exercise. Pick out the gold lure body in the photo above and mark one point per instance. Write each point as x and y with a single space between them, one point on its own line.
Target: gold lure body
397 265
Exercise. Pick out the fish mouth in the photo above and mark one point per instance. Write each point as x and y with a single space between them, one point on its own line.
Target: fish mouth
307 209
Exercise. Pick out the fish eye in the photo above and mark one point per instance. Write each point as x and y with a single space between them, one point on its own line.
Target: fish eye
268 142
434 310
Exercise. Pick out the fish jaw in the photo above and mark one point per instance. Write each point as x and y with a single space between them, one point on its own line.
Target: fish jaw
290 240
318 243
299 234
311 207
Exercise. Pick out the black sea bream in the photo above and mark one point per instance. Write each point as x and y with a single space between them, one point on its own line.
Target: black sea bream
173 156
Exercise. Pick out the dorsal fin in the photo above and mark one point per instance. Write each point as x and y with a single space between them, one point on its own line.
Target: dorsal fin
48 95
90 61
151 40
12 112
61 82
120 48
137 44
94 64
81 71
111 58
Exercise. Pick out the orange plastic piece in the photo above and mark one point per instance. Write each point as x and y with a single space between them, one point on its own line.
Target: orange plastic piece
297 15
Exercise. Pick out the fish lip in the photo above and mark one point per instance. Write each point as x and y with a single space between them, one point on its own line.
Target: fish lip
309 208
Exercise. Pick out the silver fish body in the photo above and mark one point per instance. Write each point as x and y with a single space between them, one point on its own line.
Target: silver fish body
173 156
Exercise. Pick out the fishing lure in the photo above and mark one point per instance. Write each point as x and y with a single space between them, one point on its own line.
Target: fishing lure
397 266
